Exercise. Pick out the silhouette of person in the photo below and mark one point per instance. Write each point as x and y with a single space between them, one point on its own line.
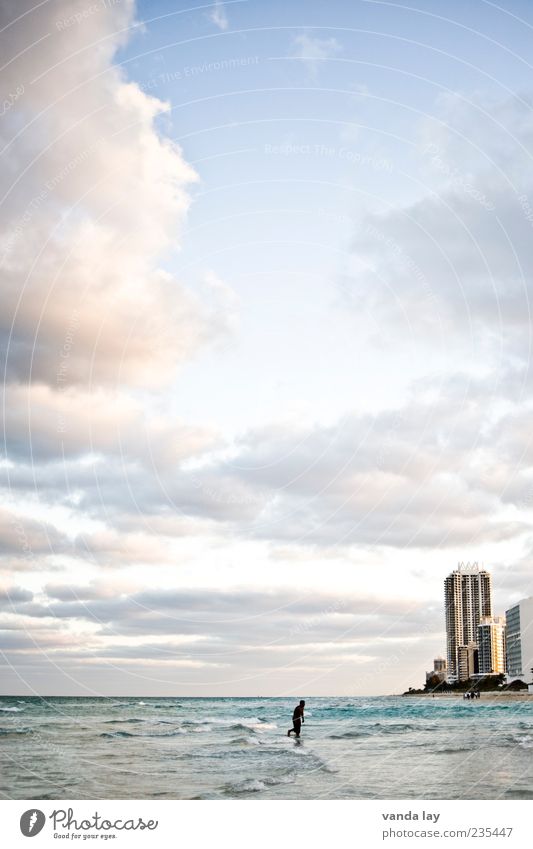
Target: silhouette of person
297 719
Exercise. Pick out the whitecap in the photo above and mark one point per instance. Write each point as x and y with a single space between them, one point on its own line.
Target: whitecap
248 721
252 785
256 785
245 741
12 709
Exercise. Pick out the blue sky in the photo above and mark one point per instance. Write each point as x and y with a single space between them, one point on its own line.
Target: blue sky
266 339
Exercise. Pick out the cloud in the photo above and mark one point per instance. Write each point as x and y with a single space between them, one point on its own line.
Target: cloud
416 476
46 425
313 51
237 615
27 538
94 195
246 633
453 267
218 16
14 595
111 548
439 471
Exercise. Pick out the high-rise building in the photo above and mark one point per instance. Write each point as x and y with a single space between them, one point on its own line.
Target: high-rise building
439 670
491 645
467 661
468 597
439 664
520 641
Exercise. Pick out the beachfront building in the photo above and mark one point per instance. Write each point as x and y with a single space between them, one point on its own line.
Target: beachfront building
467 598
439 671
491 645
520 641
467 661
440 665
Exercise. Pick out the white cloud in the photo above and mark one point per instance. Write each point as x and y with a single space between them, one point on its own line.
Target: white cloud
454 266
46 425
245 633
313 50
94 194
218 16
29 539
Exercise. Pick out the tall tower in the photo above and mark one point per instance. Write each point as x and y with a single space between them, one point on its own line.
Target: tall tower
467 597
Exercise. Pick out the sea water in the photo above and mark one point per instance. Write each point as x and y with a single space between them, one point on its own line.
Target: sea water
228 748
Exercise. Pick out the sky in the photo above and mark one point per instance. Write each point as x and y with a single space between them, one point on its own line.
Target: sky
265 339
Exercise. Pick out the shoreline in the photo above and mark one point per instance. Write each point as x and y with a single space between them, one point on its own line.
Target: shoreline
488 695
485 694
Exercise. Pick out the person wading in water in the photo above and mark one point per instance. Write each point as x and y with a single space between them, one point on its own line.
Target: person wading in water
297 719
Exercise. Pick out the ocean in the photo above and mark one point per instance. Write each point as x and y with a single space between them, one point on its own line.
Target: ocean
228 748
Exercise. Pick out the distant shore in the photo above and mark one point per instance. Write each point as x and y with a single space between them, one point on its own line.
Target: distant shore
486 696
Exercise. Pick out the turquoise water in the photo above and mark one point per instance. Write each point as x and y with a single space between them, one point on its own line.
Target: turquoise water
351 748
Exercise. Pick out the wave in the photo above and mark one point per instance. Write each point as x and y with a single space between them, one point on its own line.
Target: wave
239 726
4 732
252 726
452 750
114 734
12 709
339 709
525 742
513 739
257 785
349 735
378 728
308 760
398 727
174 733
245 741
120 721
231 724
250 721
517 793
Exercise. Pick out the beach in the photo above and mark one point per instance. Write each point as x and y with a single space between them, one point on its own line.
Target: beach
491 696
389 747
